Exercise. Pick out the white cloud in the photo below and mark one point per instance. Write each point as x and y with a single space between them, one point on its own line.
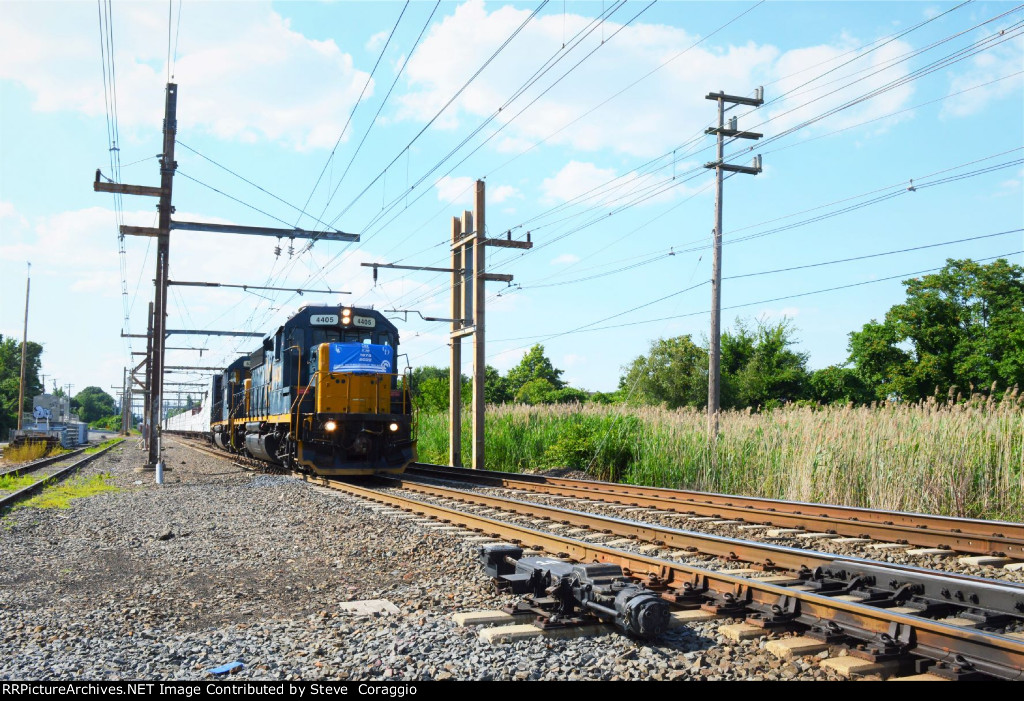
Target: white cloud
260 81
574 179
999 61
571 360
375 42
784 313
7 211
797 66
455 190
566 259
577 178
502 193
644 121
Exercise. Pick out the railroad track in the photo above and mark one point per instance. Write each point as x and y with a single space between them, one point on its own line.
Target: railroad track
896 617
41 462
989 539
64 472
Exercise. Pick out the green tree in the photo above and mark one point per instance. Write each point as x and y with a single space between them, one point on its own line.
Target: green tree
838 384
568 395
534 366
605 397
496 387
432 395
95 404
10 374
536 391
960 326
773 372
738 348
674 373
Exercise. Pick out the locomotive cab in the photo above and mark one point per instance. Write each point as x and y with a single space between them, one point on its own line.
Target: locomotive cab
324 396
360 413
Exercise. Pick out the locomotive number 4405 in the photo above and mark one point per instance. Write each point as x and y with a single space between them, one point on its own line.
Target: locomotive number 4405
324 320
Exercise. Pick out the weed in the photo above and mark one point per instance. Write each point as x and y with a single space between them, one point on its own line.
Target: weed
26 452
957 459
12 483
59 496
103 445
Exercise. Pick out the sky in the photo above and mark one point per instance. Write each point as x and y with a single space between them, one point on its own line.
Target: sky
887 126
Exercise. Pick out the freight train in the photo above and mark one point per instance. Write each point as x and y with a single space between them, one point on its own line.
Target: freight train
320 395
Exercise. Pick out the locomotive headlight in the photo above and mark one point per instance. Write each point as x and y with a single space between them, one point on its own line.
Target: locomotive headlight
346 312
346 320
393 427
330 425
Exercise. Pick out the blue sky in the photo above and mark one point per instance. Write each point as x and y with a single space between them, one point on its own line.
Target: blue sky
860 99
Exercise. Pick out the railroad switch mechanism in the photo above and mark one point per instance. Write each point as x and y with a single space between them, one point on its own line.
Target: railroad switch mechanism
563 594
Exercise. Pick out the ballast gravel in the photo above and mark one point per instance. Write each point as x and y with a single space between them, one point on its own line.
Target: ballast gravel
221 564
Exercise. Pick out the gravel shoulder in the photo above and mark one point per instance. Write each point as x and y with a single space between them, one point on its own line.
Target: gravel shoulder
221 564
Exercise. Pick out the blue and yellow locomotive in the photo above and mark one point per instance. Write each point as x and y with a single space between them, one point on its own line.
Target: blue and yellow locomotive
320 395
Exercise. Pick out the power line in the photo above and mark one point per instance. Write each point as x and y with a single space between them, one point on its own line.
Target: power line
422 131
445 106
538 74
380 107
369 78
250 182
747 304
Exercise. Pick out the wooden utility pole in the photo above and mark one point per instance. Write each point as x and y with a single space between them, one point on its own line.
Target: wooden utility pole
722 131
479 297
469 274
455 356
469 289
24 348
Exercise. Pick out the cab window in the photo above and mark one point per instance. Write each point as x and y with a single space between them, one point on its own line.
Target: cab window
325 336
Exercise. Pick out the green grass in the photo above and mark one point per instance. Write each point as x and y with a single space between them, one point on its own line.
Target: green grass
12 483
101 446
962 460
59 496
27 452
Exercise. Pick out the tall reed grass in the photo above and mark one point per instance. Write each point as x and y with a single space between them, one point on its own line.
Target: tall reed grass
26 452
962 459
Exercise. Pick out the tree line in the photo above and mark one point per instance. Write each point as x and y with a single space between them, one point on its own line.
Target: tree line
90 405
959 330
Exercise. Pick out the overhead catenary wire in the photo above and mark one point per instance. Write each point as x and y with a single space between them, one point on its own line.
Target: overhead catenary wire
535 248
684 51
447 104
369 79
533 79
250 182
591 327
373 121
903 190
429 123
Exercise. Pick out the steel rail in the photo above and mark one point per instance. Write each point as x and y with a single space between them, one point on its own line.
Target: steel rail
974 536
42 462
31 489
956 647
992 653
767 555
